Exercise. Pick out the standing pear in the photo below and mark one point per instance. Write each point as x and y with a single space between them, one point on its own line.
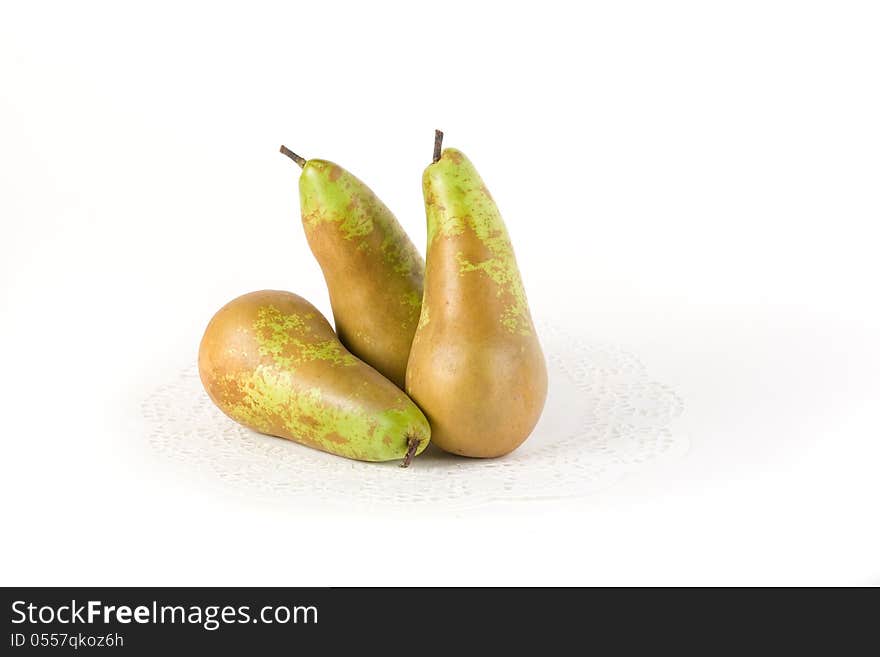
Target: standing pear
374 274
476 367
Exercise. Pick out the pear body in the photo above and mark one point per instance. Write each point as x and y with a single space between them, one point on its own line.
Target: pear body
373 272
272 362
476 367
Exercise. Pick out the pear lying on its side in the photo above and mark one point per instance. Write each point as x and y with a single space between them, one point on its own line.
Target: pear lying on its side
476 368
271 362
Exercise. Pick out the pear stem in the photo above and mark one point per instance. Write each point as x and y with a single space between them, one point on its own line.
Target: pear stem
438 143
293 156
412 444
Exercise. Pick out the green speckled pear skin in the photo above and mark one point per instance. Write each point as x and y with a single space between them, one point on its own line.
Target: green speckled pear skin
272 362
476 367
374 274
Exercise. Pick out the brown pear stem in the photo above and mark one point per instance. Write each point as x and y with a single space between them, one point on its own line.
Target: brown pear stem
438 143
293 156
412 444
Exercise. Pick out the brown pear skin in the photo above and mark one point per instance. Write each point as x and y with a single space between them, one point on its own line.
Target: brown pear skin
374 273
476 367
271 361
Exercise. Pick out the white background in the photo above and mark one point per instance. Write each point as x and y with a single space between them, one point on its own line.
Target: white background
695 182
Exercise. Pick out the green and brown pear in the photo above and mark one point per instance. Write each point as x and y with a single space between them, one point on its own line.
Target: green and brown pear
476 367
373 272
271 361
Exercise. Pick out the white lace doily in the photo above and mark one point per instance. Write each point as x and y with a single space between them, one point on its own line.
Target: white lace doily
604 417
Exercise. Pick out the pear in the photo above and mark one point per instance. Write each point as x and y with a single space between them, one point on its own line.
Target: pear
271 362
374 274
476 367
